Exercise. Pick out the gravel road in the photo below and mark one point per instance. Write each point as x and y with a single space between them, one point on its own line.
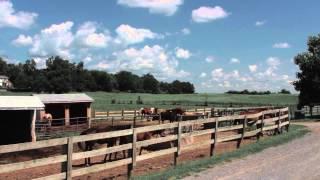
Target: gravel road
298 159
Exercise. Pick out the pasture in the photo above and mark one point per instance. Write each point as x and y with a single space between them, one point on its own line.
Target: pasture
127 101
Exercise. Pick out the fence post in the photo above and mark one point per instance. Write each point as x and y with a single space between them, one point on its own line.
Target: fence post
160 118
122 114
177 144
262 124
279 122
67 166
214 136
243 131
133 153
288 125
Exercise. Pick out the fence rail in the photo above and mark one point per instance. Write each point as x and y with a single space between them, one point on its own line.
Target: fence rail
274 119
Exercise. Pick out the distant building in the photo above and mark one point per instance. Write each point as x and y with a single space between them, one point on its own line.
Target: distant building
67 109
4 82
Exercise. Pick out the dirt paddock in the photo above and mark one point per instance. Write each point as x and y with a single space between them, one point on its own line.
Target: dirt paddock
147 166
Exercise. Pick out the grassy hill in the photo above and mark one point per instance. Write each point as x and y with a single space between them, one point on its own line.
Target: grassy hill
117 101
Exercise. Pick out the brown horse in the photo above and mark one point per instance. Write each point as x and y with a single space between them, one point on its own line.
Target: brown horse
115 140
146 112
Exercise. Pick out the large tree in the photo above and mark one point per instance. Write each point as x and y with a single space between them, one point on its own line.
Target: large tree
308 82
59 75
150 84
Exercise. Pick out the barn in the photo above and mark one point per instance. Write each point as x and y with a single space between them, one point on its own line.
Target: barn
18 116
67 109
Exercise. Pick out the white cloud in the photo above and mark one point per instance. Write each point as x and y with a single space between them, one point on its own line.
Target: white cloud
273 62
253 68
225 84
185 31
234 61
87 36
149 59
217 73
54 40
203 75
183 53
22 40
130 35
282 45
207 14
10 18
209 59
166 7
260 23
268 78
40 62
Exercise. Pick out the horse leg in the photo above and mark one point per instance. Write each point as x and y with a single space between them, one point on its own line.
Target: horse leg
124 154
140 152
105 158
115 155
87 160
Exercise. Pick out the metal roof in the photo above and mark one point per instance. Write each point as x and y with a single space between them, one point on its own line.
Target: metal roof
64 98
20 103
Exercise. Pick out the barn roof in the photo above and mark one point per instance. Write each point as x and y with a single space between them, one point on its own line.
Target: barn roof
3 77
20 103
64 98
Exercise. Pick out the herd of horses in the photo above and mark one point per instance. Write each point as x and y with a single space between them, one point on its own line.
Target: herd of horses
176 114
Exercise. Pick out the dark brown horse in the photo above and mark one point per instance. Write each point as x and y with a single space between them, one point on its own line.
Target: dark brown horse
88 145
171 114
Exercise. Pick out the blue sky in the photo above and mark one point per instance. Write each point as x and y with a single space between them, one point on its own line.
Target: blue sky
216 44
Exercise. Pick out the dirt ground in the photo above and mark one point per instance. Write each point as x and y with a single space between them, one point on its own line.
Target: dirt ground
298 159
147 166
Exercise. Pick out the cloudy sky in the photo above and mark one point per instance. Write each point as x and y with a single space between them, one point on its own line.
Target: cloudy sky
216 44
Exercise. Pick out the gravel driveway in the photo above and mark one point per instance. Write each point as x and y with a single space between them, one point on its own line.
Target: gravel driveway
298 159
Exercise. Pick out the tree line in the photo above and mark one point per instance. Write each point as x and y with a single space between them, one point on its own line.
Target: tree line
283 91
61 76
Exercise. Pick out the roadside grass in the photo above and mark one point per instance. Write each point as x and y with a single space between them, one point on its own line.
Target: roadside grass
187 168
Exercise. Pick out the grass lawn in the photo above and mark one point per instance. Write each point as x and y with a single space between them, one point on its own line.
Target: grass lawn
128 100
187 168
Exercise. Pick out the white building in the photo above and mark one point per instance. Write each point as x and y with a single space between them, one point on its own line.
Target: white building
4 82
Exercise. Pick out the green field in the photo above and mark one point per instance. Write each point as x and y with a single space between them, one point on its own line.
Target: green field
103 100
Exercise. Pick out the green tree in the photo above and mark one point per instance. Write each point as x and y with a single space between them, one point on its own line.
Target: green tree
59 75
150 84
127 81
308 82
284 91
103 81
3 67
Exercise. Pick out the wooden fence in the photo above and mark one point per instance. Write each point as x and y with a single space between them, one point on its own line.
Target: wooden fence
260 122
131 114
